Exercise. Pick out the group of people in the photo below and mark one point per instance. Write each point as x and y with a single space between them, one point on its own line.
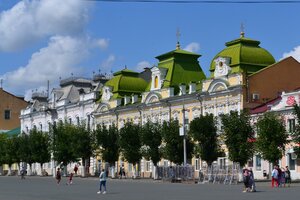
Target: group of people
248 179
70 180
281 176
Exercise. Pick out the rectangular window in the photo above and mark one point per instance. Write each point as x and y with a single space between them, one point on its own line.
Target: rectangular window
250 163
78 121
148 166
292 161
130 167
258 162
292 125
7 114
70 121
197 164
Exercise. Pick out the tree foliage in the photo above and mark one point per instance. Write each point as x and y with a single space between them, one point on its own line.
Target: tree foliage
237 134
271 137
296 133
62 147
130 142
40 146
108 140
151 139
3 139
173 142
203 130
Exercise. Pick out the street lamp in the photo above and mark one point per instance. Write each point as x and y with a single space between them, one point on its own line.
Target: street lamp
182 131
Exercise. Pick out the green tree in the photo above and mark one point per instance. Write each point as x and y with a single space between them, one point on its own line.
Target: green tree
151 139
271 137
203 130
296 133
11 155
62 136
173 143
3 138
40 147
130 143
82 143
237 134
108 140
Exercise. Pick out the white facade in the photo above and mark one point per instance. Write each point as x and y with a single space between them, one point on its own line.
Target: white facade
73 102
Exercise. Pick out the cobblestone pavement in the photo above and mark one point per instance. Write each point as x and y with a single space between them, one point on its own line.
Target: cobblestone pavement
45 188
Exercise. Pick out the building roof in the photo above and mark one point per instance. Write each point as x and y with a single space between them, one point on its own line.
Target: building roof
182 67
15 131
126 82
245 56
265 106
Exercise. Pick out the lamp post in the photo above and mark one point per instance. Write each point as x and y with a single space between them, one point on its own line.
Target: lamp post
182 131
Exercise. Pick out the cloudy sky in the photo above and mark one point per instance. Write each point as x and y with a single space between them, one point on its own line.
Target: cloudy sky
43 40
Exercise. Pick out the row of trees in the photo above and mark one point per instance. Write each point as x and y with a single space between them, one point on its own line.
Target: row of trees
154 141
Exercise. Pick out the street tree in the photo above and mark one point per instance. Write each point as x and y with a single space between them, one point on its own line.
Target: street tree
203 130
3 138
40 146
108 141
238 136
130 143
173 143
271 137
11 156
61 143
82 144
151 140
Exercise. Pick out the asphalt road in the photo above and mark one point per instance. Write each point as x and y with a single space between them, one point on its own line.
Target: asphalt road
45 188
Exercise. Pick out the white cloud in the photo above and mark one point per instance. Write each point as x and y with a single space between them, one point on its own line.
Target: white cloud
107 64
141 65
295 53
61 57
192 47
30 20
101 43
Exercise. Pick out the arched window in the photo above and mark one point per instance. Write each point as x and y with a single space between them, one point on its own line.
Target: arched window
156 82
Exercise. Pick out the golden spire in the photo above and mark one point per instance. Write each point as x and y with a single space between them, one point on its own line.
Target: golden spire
242 30
178 37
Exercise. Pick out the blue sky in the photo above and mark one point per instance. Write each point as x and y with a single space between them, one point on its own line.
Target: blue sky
46 39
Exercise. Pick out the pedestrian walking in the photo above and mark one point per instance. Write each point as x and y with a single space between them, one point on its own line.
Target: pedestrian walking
288 178
275 177
22 172
102 182
251 181
58 176
246 179
70 181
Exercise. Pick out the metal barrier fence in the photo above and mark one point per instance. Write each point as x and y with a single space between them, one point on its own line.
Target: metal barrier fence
222 175
176 173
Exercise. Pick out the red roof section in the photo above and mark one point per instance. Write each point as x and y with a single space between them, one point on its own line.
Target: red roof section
265 106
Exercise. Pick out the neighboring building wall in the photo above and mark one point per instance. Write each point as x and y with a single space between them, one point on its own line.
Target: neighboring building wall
10 108
271 81
283 107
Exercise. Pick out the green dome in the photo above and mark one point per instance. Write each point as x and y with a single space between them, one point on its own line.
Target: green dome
245 55
126 83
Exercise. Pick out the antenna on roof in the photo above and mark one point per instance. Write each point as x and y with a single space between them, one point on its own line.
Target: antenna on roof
1 82
125 66
178 34
242 30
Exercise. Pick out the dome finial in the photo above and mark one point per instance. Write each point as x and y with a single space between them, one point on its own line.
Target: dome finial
242 30
178 37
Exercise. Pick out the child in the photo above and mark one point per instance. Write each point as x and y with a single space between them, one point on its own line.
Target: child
70 179
58 176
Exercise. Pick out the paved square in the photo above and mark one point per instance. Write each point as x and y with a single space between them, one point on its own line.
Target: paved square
45 188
